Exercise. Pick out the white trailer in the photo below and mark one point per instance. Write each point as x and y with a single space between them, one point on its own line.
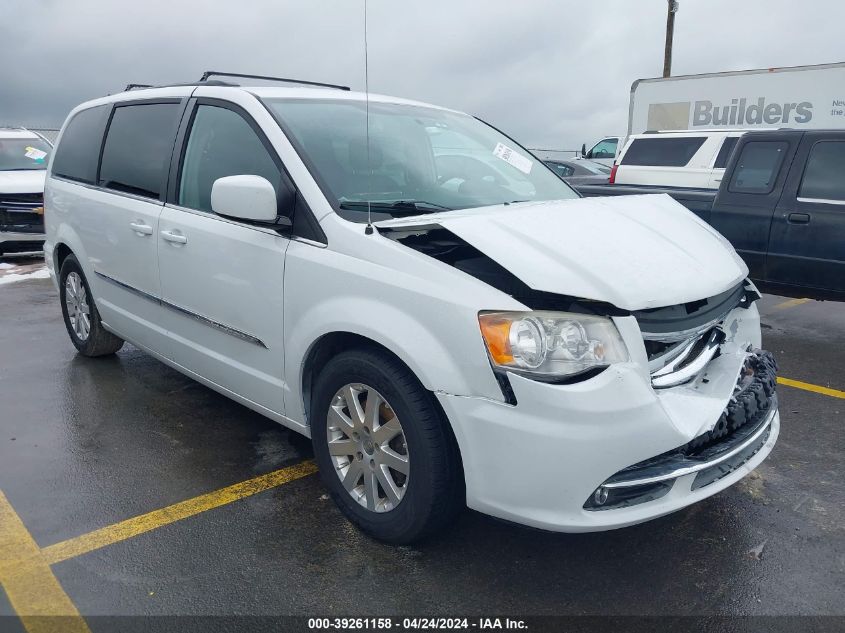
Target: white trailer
795 97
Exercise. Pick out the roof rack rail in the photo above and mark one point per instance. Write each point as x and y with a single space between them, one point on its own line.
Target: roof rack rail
134 86
210 73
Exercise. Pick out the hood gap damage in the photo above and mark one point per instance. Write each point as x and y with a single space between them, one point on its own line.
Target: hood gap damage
668 324
677 338
444 246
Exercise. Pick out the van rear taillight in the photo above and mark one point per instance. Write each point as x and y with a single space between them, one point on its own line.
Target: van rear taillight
612 178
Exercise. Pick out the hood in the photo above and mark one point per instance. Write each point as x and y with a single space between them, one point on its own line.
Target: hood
635 252
588 179
23 181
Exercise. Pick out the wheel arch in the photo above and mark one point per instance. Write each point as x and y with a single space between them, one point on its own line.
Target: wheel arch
326 347
60 254
66 241
330 344
68 244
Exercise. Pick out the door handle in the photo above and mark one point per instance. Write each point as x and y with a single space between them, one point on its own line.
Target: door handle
176 238
141 229
798 218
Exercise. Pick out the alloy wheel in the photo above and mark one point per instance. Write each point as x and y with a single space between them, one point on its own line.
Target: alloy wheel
78 310
368 448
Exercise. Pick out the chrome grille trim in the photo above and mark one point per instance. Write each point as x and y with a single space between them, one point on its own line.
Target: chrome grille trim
673 337
685 367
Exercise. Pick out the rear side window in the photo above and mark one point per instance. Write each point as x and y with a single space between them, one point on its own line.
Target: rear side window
823 176
758 167
725 152
79 150
138 146
662 152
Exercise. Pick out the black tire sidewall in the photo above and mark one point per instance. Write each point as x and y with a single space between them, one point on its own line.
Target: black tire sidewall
416 414
69 265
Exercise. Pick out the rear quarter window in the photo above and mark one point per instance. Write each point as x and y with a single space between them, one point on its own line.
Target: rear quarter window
662 152
79 148
758 167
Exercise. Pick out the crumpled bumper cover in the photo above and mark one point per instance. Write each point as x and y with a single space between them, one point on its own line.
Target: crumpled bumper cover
540 463
742 430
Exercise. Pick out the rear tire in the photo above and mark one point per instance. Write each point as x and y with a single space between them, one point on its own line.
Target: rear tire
406 429
81 317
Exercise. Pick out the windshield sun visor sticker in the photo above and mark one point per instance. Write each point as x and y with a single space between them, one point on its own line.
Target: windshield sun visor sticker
510 156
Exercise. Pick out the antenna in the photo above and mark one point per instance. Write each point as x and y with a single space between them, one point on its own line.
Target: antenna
369 229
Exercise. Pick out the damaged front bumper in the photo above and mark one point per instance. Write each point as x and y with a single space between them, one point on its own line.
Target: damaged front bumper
741 431
549 460
646 482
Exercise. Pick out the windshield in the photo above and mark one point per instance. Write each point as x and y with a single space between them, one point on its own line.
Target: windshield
420 159
18 154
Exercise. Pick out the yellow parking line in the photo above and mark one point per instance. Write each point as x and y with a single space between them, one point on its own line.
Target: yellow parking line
806 386
790 304
33 591
157 518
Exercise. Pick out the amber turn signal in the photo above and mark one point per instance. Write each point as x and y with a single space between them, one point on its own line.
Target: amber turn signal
496 331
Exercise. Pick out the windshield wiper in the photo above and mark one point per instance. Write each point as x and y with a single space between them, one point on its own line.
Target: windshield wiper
395 207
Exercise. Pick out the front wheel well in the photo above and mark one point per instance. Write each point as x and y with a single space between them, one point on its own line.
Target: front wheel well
323 350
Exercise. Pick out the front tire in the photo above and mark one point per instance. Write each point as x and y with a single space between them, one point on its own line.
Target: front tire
81 317
384 449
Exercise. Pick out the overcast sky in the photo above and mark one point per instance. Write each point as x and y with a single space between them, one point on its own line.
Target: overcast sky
552 73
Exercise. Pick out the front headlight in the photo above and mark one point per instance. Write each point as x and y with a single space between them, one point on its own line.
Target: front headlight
551 345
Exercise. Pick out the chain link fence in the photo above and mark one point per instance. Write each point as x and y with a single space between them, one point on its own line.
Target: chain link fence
547 154
50 133
47 132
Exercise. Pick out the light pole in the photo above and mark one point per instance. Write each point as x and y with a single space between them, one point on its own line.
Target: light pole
670 33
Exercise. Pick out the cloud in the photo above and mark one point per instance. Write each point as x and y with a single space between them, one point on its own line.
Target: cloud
550 73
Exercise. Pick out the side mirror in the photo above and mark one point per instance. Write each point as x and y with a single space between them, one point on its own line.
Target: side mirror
583 150
245 197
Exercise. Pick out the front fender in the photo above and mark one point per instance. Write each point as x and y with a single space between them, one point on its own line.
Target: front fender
435 335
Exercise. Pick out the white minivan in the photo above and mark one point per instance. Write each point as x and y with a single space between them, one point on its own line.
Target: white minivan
444 317
675 159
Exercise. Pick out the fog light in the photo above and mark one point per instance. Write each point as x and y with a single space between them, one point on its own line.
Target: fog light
600 496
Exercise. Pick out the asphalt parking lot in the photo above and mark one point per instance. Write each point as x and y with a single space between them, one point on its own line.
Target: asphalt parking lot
123 481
